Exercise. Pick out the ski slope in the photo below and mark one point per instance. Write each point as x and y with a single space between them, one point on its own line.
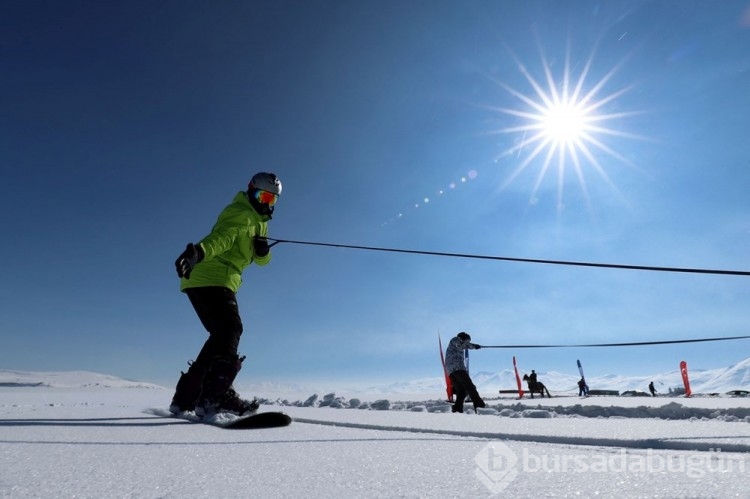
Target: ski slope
94 439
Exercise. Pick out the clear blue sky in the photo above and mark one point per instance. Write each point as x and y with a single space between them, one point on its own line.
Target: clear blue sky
127 126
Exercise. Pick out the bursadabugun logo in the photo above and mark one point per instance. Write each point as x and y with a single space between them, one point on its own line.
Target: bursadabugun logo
496 466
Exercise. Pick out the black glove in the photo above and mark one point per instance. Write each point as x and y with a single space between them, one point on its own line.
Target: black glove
188 260
261 246
476 347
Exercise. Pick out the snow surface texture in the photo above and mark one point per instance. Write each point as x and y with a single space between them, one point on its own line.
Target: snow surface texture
87 435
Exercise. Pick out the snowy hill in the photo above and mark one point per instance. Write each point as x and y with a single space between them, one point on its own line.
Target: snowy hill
68 379
735 377
718 380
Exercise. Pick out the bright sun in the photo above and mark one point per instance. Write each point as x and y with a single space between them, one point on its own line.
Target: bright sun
564 123
560 127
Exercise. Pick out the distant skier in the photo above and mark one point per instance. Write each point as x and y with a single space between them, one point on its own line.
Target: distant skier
456 368
583 388
652 389
211 274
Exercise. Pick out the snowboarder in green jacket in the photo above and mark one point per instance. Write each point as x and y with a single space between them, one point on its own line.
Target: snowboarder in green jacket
211 274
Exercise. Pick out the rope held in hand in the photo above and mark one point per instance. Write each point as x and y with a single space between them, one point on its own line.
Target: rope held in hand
525 260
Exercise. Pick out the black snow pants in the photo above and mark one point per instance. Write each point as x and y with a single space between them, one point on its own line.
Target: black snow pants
217 310
462 385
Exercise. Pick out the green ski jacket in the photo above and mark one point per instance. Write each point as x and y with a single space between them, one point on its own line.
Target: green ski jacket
229 247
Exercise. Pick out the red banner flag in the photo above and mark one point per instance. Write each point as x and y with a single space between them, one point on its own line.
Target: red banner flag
685 380
448 384
518 378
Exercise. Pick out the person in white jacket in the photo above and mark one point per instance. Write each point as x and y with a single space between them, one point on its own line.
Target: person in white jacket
459 376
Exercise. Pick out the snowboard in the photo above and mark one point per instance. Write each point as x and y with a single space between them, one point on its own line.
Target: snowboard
258 420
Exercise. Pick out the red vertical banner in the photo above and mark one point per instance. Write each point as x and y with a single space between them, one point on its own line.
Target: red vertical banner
685 380
448 384
518 378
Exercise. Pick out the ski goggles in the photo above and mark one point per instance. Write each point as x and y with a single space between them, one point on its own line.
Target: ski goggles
266 197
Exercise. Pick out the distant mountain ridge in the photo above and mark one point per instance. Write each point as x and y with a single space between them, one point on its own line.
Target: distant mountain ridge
719 380
68 379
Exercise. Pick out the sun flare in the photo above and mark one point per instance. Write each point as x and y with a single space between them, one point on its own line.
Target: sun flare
564 123
561 126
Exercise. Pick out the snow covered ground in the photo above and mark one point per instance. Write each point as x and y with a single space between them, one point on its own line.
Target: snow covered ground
88 435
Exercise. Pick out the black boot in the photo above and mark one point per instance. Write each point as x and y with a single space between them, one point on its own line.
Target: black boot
217 394
233 403
187 391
